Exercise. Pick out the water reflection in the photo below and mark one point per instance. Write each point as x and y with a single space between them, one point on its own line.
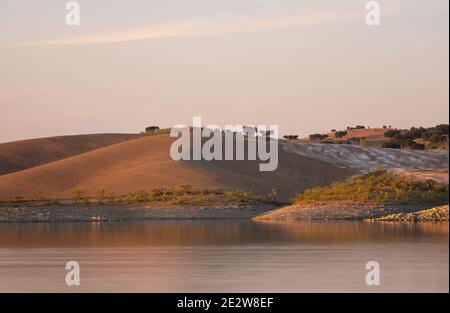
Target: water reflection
188 233
224 256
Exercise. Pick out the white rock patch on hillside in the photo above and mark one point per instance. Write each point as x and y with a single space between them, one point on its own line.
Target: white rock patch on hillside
367 159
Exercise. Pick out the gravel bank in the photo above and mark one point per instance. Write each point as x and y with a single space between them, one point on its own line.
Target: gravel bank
96 213
333 211
438 214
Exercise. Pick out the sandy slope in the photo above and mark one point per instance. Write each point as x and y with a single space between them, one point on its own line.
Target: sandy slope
145 162
20 155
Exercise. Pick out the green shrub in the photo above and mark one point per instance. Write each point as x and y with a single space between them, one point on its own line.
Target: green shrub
100 195
181 190
111 197
156 194
436 140
38 196
272 195
77 195
391 133
162 131
239 196
379 186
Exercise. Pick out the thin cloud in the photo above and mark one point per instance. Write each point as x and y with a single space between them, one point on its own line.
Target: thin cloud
203 27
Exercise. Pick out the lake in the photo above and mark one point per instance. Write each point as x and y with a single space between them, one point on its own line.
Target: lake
224 256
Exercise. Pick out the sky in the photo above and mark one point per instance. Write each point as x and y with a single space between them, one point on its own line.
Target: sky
308 66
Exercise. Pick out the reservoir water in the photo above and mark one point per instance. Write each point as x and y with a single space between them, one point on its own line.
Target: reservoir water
224 256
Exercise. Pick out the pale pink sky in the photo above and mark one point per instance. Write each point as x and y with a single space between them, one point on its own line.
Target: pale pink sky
308 66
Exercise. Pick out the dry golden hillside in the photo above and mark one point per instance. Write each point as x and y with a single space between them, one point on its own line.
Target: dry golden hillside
20 155
143 163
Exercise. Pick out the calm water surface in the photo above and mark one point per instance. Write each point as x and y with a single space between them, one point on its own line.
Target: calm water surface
224 256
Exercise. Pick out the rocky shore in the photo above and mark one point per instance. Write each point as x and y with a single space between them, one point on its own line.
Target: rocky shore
437 214
311 211
122 212
336 211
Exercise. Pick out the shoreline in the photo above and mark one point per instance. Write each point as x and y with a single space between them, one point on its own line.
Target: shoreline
127 212
57 213
346 211
435 214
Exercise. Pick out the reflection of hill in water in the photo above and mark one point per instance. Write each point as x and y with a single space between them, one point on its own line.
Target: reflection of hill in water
185 233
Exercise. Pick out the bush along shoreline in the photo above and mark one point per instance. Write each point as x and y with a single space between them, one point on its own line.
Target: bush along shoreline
177 195
370 196
180 202
377 196
379 187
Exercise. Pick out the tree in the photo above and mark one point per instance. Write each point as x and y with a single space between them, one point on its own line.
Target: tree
415 133
392 133
340 134
315 136
436 139
290 137
151 129
442 129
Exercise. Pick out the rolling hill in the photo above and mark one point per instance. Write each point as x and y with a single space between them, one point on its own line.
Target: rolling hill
19 155
122 163
143 163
